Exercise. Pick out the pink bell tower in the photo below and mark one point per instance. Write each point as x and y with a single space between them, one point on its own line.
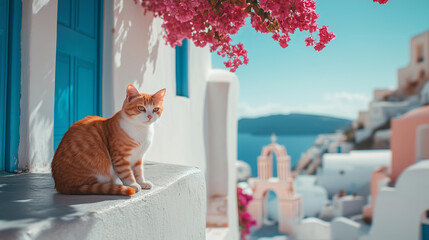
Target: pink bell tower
290 204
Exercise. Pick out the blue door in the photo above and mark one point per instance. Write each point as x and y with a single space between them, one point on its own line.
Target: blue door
4 30
78 63
10 82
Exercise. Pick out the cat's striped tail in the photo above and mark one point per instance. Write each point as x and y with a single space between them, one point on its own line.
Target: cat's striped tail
103 188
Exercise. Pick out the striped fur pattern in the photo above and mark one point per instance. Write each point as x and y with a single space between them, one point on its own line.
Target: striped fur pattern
96 152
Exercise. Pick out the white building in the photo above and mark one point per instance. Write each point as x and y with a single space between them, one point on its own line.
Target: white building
413 76
408 199
424 94
350 172
401 212
410 92
75 58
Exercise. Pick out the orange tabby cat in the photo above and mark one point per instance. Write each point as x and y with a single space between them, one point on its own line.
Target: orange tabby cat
95 151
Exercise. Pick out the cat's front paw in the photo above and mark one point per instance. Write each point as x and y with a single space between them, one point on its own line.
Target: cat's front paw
136 187
146 185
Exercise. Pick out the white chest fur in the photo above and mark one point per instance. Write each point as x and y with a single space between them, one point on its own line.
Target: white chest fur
142 135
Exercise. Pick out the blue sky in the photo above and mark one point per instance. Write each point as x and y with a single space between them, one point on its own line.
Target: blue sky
372 42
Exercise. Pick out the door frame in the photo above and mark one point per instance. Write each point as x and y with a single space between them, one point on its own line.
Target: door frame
13 86
100 58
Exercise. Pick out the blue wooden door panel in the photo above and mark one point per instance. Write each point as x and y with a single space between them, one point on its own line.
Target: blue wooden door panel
62 117
77 79
86 20
86 89
76 44
4 29
64 13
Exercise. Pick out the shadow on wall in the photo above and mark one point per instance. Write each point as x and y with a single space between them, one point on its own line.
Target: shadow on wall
41 124
133 42
31 198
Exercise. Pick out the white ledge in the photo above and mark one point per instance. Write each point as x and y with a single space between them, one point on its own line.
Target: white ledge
173 209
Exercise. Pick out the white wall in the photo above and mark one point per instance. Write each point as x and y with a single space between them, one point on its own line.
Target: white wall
422 142
314 197
38 50
345 229
382 111
424 94
398 211
312 229
221 141
356 167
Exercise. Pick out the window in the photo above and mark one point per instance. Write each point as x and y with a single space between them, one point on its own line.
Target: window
182 69
420 57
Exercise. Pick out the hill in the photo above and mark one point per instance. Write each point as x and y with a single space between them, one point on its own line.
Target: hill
292 124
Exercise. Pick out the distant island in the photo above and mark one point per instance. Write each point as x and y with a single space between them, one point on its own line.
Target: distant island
292 124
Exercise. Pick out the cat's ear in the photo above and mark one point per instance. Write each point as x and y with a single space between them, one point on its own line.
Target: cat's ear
132 92
159 95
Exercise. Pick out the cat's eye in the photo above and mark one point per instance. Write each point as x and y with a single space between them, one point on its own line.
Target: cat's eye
141 108
156 109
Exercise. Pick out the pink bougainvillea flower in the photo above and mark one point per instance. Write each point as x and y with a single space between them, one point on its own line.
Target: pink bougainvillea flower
214 21
381 1
319 46
246 222
276 36
309 41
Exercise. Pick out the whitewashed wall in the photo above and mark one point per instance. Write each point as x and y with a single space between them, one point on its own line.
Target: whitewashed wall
38 45
356 168
220 132
408 201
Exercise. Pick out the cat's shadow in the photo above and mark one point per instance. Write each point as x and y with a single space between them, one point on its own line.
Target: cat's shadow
31 198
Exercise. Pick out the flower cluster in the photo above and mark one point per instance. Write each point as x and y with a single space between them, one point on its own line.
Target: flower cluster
214 21
286 16
381 1
245 219
204 22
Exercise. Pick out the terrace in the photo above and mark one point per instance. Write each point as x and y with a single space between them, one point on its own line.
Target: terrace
32 209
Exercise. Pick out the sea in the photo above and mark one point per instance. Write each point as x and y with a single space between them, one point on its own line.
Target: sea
250 147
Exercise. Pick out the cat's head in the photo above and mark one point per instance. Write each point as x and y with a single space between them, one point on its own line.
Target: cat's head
143 108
